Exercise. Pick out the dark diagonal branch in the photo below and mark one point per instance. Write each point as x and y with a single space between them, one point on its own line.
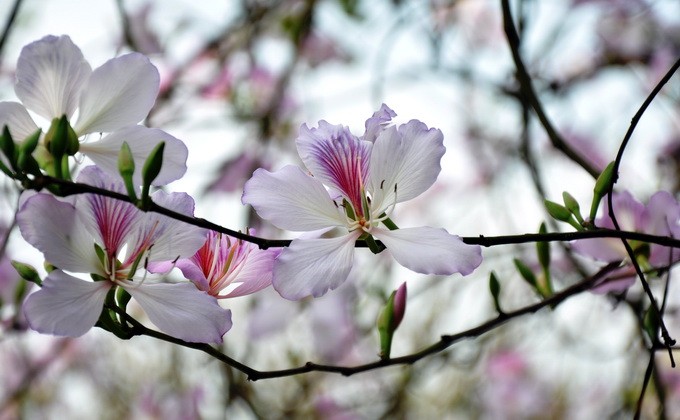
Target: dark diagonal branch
444 343
74 188
8 26
527 90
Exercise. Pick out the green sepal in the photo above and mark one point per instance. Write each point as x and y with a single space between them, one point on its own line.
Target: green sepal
101 255
27 272
372 244
602 187
27 163
495 289
389 224
49 267
6 170
349 210
7 146
386 328
31 142
122 297
525 272
97 277
152 167
56 139
126 167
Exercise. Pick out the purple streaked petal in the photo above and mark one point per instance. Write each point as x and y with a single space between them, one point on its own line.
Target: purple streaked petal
313 266
336 157
118 94
55 228
407 159
256 273
376 124
429 250
65 305
182 311
292 200
16 118
168 238
50 76
142 141
111 220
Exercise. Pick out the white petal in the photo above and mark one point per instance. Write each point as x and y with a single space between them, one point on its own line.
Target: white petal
407 159
65 305
313 266
256 274
119 93
141 140
170 238
16 118
182 311
50 75
430 251
292 200
55 228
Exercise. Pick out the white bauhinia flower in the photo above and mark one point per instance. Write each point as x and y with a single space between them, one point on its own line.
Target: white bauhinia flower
114 241
53 79
353 188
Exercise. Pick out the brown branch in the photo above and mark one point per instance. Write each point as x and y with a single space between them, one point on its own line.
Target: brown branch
73 188
527 90
445 342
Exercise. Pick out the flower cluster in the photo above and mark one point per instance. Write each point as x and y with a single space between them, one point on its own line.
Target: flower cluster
107 251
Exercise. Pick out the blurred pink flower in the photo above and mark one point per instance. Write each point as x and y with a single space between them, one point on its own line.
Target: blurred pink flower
661 216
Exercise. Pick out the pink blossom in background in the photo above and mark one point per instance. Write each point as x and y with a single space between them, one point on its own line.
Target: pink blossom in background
510 391
366 180
53 79
114 240
661 216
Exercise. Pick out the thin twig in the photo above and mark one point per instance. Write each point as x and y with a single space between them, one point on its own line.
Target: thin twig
445 342
529 93
8 26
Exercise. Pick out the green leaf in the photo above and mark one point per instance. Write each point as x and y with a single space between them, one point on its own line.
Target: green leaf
525 272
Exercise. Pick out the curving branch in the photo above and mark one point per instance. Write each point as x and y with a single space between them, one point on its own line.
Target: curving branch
527 90
67 188
446 341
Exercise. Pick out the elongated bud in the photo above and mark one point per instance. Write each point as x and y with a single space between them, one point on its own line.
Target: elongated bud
7 146
572 205
56 139
602 187
525 272
153 164
27 272
543 249
389 319
126 167
557 211
495 289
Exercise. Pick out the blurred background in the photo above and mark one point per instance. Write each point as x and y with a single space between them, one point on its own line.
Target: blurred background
239 77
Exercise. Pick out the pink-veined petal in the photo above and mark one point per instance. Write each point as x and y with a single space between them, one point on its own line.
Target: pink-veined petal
256 273
430 250
336 157
407 159
50 76
313 266
55 229
169 238
16 118
292 200
141 140
65 305
119 93
182 311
